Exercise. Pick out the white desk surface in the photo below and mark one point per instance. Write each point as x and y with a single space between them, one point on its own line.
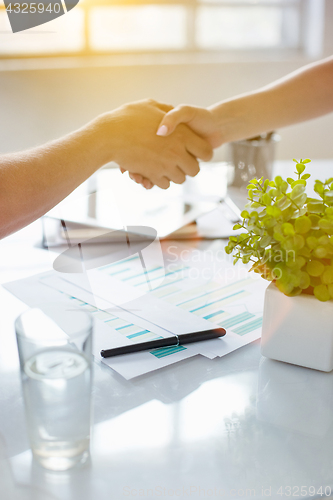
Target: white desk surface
236 427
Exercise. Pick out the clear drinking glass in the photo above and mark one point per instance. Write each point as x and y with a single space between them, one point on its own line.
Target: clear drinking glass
55 351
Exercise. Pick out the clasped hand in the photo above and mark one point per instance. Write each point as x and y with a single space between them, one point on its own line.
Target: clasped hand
149 158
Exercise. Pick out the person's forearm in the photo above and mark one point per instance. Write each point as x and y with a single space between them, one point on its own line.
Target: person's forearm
302 95
34 181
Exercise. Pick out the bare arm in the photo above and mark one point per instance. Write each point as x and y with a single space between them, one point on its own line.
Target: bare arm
34 181
302 95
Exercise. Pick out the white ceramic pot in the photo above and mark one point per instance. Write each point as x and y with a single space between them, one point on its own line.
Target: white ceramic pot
297 330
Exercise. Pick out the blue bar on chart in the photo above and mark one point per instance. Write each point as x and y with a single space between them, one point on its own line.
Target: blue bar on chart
170 281
167 351
118 263
212 315
211 289
248 327
235 320
138 275
161 292
128 330
169 276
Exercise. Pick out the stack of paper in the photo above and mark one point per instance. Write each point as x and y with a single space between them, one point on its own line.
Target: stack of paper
135 304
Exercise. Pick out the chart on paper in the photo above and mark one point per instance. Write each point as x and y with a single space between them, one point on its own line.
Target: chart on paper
209 301
230 306
131 331
235 306
130 271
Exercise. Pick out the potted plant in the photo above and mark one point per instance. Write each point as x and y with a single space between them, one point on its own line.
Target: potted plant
288 238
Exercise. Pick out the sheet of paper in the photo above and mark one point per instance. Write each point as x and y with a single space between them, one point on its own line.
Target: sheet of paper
234 302
232 296
136 364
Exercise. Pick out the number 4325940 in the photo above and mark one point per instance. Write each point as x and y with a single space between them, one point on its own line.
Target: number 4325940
304 491
33 7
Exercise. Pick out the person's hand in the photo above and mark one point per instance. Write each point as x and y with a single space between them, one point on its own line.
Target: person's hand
131 130
200 120
139 179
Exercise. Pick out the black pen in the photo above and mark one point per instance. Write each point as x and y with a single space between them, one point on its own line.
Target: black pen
185 338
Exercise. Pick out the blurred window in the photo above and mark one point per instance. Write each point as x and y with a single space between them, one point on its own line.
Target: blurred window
132 26
145 27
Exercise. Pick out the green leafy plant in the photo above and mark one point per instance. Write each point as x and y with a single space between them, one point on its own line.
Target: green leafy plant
288 236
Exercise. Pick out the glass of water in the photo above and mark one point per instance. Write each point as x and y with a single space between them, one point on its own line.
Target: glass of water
55 351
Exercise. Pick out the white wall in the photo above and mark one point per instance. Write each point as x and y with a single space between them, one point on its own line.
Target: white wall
38 105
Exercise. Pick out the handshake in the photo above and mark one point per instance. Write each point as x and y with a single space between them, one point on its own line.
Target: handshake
157 144
34 181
